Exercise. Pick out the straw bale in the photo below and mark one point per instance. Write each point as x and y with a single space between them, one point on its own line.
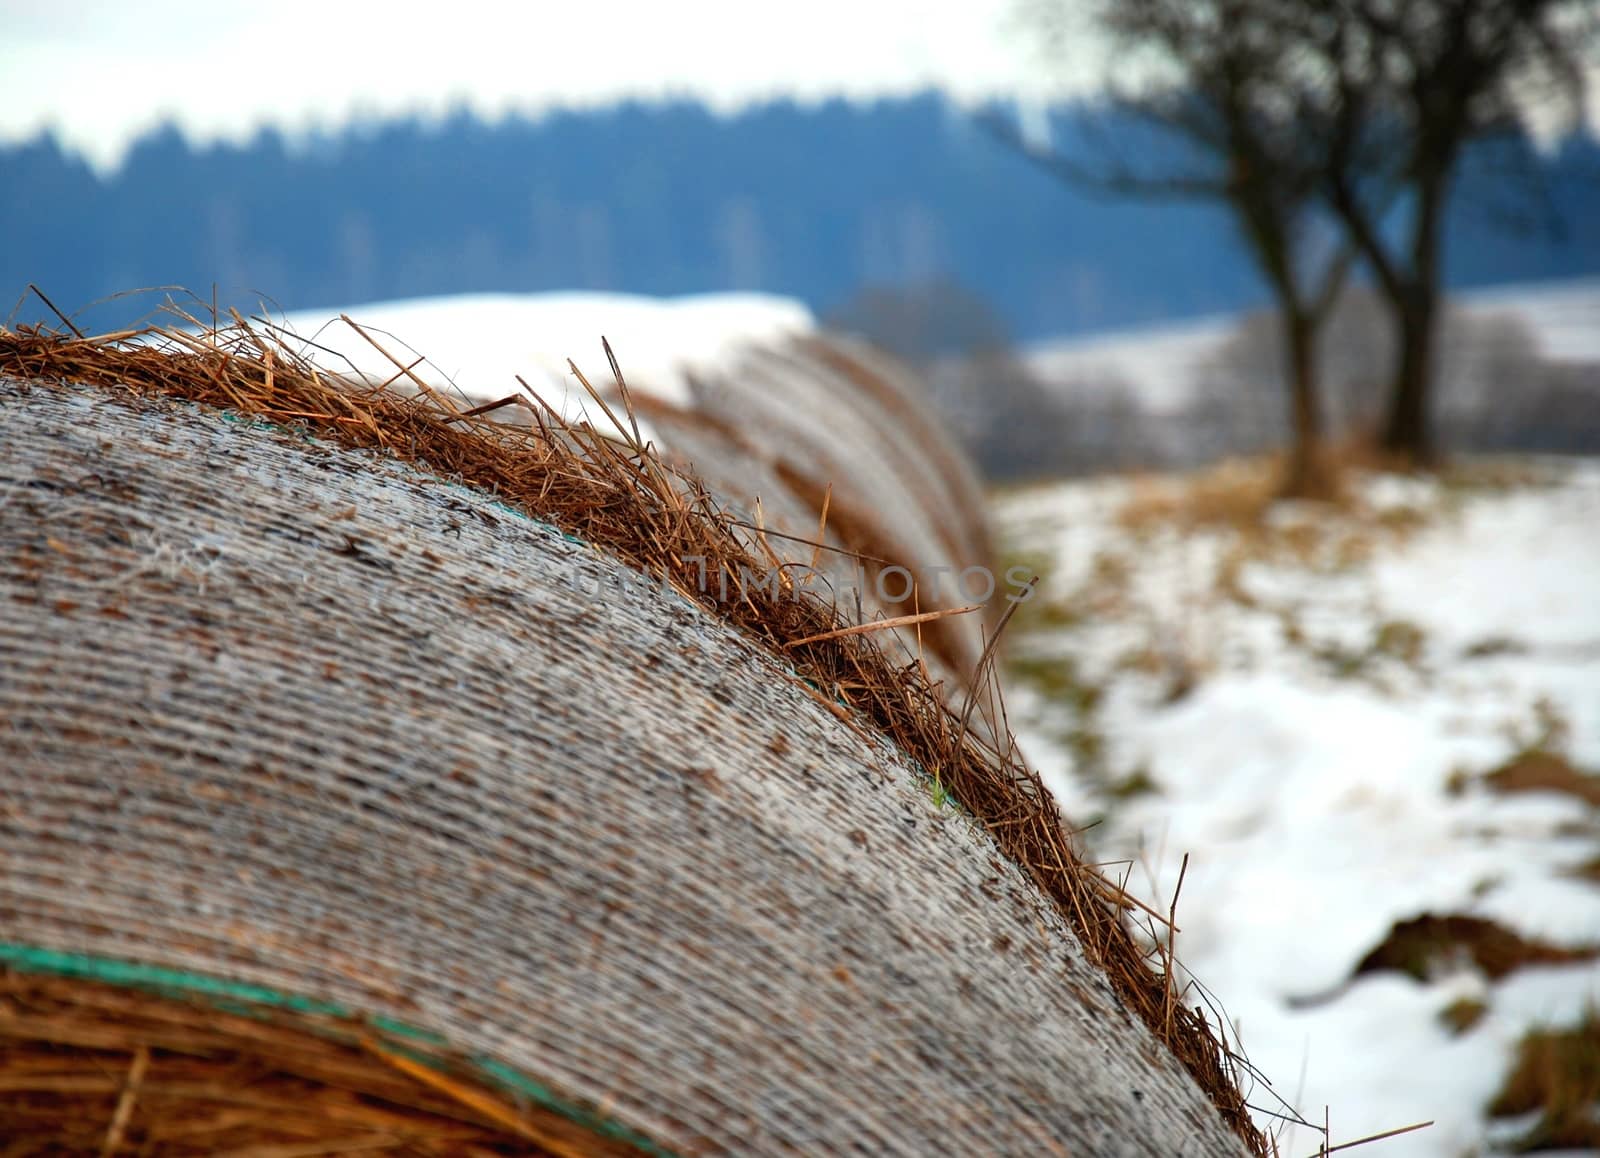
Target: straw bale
819 428
306 717
891 398
793 523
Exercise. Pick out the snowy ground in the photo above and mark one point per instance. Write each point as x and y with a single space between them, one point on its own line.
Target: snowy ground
1305 711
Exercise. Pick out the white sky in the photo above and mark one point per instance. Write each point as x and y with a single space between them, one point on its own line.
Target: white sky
98 74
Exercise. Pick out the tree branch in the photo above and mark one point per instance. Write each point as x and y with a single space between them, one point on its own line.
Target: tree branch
1116 180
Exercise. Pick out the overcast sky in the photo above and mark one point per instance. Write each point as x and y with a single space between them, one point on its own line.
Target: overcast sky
99 74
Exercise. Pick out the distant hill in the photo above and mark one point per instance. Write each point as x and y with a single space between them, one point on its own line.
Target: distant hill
812 202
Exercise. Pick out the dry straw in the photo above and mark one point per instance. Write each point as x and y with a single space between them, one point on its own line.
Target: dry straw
618 495
207 1081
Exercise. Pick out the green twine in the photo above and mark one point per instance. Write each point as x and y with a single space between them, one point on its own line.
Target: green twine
249 999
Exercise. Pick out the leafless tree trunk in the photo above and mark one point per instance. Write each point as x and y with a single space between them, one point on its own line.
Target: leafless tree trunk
1307 475
1413 85
1234 99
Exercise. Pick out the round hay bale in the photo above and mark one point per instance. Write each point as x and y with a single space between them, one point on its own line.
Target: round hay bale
329 772
830 420
829 443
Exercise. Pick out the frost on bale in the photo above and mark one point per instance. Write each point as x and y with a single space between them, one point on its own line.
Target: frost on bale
285 716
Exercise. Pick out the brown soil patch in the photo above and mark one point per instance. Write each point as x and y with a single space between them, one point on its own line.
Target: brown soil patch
1462 1014
1541 771
1589 870
1421 946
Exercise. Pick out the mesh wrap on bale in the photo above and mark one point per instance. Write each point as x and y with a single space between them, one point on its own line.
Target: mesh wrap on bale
308 719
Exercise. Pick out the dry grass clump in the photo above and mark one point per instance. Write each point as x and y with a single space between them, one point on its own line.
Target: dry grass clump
1243 496
619 496
1541 763
1557 1076
90 1068
1498 474
1236 493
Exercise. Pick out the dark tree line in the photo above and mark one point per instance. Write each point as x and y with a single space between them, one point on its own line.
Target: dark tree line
814 202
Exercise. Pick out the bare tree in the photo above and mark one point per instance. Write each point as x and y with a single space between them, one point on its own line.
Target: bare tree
1414 82
1235 87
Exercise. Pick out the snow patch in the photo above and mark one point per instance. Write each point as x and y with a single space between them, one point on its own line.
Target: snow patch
1326 786
481 342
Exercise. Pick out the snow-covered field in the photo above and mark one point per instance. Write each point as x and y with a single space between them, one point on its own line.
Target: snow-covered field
1162 364
1307 711
1565 316
481 342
